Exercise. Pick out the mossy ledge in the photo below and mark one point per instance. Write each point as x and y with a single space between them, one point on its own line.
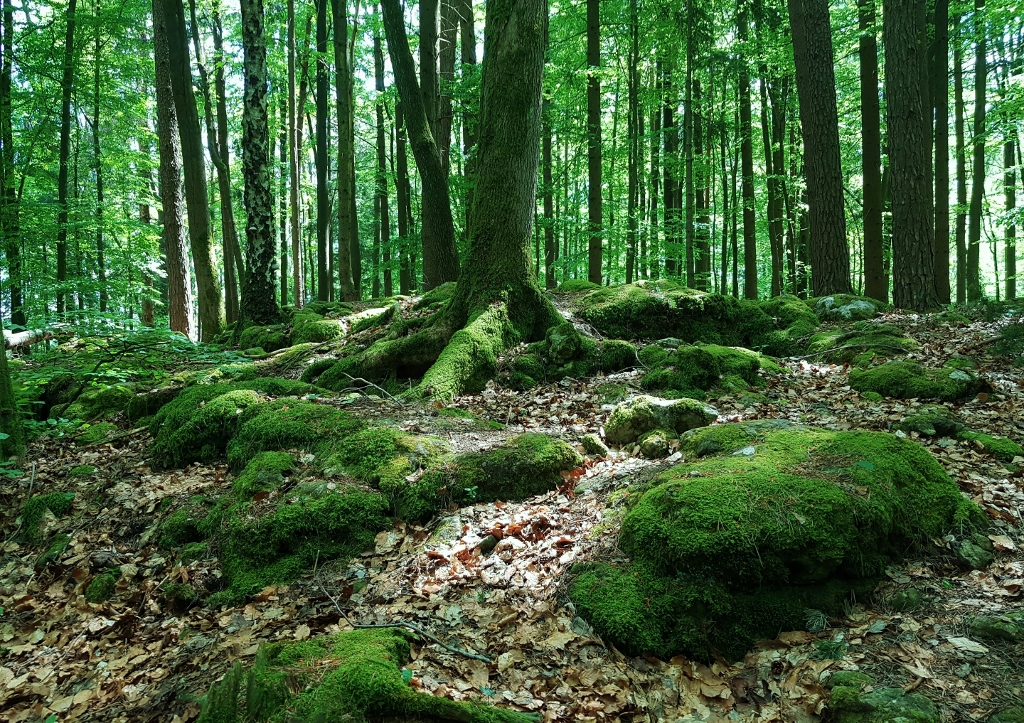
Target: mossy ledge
803 516
352 676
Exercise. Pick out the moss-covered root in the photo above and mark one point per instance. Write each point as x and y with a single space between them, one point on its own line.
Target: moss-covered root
353 676
470 358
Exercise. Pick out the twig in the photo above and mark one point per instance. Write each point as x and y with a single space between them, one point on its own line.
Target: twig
402 624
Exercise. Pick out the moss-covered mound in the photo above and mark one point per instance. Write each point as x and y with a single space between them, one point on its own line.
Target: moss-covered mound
436 297
800 516
847 307
36 508
370 318
352 676
576 286
149 403
860 344
633 418
932 420
267 338
266 472
794 322
1003 449
564 352
309 327
908 380
96 402
691 371
198 423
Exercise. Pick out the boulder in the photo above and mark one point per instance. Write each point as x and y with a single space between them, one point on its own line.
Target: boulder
633 418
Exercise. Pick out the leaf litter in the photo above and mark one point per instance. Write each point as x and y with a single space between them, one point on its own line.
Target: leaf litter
486 578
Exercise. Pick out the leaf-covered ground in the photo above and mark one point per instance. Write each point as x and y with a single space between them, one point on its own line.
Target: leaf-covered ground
140 657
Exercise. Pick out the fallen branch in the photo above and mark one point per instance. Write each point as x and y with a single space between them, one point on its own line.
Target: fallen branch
402 624
16 339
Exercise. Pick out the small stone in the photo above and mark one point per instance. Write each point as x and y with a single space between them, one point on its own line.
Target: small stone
592 444
654 445
972 556
906 600
850 679
487 544
982 541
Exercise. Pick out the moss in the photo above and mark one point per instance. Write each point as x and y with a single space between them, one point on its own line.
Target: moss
615 355
960 361
268 338
371 318
265 472
36 508
612 392
288 424
82 471
325 308
908 380
197 425
795 322
931 420
1009 715
849 679
352 676
95 433
576 286
313 371
847 307
180 596
257 551
308 327
470 358
802 516
631 419
1003 449
101 588
686 369
436 297
149 403
193 551
99 402
56 548
654 445
881 705
874 340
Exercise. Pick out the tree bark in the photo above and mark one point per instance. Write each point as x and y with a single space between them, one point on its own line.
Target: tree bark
467 41
819 117
747 166
323 202
961 167
294 131
633 134
940 102
402 194
282 195
875 285
440 258
384 217
974 290
449 33
10 218
673 224
13 443
908 109
64 154
101 263
348 230
594 209
193 161
650 260
259 302
1009 205
179 285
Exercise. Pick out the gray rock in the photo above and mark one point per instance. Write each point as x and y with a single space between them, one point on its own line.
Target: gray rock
592 444
633 418
972 556
654 445
830 309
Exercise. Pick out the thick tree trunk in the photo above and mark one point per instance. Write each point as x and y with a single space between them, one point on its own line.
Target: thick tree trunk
179 284
13 442
875 285
467 43
974 290
594 209
816 87
747 167
440 258
940 102
348 231
193 161
449 33
259 303
323 202
909 153
961 168
64 154
633 134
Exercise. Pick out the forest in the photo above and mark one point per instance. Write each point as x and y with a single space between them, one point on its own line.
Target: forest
515 361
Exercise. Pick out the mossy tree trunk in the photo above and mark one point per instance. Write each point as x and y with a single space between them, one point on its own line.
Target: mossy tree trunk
13 442
497 301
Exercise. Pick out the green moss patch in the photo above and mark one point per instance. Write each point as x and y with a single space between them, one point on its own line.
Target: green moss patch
691 371
1003 449
36 508
863 342
908 380
264 473
149 403
436 297
267 338
635 417
99 402
847 307
794 321
371 318
881 705
102 586
576 286
803 516
95 433
932 420
308 327
352 676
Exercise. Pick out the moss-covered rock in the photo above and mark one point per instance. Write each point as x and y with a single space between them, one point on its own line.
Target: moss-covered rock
37 507
592 444
264 473
795 322
881 705
436 297
102 586
1009 627
370 318
98 402
846 307
1008 715
1003 449
631 419
327 308
308 327
691 371
803 517
267 338
95 433
179 596
909 380
146 404
932 420
849 679
862 342
615 355
654 445
906 600
352 676
576 286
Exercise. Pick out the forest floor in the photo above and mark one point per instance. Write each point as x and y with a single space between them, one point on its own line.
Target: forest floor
135 659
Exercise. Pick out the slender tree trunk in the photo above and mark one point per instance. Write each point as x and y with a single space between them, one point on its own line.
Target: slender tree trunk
688 193
440 258
816 87
875 284
259 304
179 284
673 224
467 40
550 243
402 201
13 443
449 33
323 201
67 88
348 235
193 160
384 224
633 134
282 198
1009 205
10 221
908 109
651 261
101 263
974 290
940 102
594 210
294 147
747 167
961 167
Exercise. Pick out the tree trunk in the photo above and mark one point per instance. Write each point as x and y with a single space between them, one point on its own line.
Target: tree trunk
259 303
323 202
671 165
101 264
449 32
550 243
633 134
961 167
294 130
1009 205
909 154
10 221
467 40
13 443
179 284
384 218
402 194
594 210
348 231
747 167
940 102
193 161
974 290
67 88
282 196
875 285
816 87
440 258
650 260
